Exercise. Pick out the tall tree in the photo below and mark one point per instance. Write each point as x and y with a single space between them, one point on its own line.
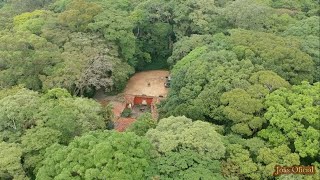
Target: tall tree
281 55
293 116
187 149
25 58
10 162
244 107
89 64
99 155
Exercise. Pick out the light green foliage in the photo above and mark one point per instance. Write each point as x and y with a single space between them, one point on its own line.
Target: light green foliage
99 155
71 116
281 55
10 158
244 106
254 158
199 79
6 17
280 155
25 58
16 114
187 164
257 15
309 6
30 21
269 80
38 121
59 5
54 31
187 148
56 109
293 115
57 93
142 124
29 5
241 156
239 163
246 82
305 27
10 91
240 109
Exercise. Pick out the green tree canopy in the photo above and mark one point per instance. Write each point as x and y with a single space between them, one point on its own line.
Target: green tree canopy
187 149
244 107
25 58
34 143
57 109
16 114
99 155
88 65
307 30
200 78
142 124
10 162
281 55
293 116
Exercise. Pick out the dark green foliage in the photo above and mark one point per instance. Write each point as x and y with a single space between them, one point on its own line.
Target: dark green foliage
308 30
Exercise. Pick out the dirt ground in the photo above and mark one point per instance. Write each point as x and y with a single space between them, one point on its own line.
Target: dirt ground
122 124
149 83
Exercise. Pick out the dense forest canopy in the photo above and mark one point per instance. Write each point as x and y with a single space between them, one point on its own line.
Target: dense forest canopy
244 95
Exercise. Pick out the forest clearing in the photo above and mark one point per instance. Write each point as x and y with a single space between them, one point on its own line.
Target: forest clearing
159 89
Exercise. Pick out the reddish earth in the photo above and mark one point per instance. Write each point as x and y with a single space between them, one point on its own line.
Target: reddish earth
122 124
118 107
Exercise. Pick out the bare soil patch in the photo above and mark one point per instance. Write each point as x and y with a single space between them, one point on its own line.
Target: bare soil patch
148 83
